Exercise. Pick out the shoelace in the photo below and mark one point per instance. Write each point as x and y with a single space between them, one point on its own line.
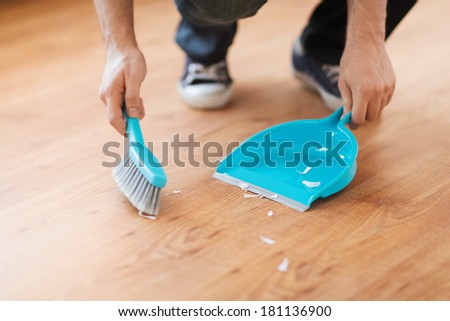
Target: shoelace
332 72
196 71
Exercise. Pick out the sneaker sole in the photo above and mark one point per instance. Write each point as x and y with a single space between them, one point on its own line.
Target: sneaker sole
211 101
331 101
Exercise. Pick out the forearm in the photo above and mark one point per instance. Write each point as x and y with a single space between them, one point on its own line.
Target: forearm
366 22
125 67
116 22
366 79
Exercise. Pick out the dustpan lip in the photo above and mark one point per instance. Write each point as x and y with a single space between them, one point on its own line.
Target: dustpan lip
262 192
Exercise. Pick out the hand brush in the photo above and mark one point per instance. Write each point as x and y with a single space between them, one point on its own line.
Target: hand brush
139 175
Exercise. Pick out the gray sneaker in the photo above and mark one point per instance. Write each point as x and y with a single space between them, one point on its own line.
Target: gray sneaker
205 86
319 77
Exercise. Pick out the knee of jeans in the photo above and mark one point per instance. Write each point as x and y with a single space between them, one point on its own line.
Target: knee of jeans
218 11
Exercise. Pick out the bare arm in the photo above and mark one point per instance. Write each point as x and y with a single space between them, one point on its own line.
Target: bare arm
367 79
125 67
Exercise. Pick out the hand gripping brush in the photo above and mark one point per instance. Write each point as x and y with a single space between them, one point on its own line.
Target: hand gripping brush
285 179
139 175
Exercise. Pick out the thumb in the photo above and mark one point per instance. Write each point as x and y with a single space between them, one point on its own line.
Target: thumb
346 96
133 99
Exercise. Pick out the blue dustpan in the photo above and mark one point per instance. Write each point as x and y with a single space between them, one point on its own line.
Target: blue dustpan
295 163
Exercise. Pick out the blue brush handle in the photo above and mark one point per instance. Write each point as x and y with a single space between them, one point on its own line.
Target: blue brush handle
134 132
143 158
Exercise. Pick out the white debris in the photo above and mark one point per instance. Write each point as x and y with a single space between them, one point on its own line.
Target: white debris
342 156
144 215
177 191
267 240
270 213
323 149
283 266
250 195
244 186
311 184
307 169
271 196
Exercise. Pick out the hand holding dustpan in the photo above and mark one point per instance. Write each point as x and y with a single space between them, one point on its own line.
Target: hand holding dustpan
295 163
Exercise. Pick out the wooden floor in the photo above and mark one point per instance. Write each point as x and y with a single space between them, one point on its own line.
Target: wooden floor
66 232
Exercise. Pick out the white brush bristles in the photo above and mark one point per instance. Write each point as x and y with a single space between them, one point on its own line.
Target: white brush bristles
133 184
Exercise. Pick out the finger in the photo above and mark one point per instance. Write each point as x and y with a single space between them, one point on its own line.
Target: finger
359 108
346 96
383 104
103 91
142 110
390 95
387 101
389 98
102 95
114 103
132 98
373 110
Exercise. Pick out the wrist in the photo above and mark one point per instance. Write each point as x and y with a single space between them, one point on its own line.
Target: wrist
121 44
366 22
366 36
366 42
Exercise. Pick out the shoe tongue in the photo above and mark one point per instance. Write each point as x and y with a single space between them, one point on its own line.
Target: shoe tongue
332 72
214 72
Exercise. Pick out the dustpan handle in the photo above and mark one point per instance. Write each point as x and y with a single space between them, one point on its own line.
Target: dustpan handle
339 119
345 120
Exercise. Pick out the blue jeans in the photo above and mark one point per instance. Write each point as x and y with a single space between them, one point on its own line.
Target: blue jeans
208 27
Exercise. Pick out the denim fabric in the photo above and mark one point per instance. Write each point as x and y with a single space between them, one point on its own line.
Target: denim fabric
213 12
325 35
208 27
